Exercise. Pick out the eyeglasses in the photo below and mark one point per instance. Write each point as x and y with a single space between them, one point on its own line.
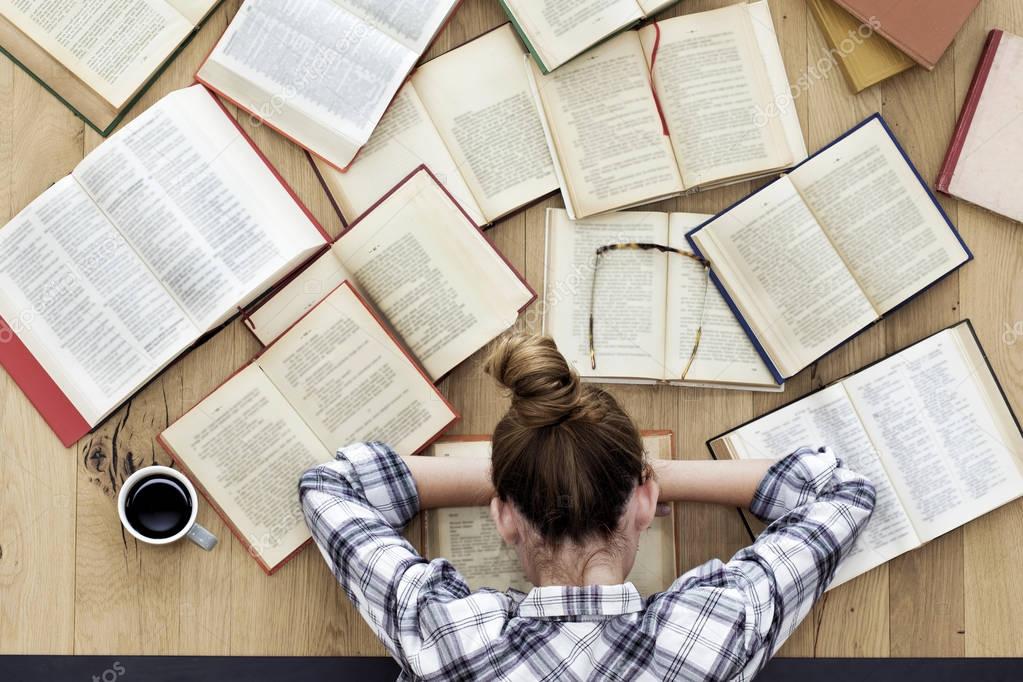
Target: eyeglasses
642 246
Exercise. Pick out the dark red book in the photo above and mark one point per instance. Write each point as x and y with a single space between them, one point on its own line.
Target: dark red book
984 163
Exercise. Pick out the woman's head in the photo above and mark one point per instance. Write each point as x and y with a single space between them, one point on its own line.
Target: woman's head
568 463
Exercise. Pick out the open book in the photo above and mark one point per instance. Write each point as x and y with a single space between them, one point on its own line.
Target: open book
469 116
648 307
692 102
424 266
817 256
984 162
468 538
156 238
336 377
322 72
556 31
98 57
929 426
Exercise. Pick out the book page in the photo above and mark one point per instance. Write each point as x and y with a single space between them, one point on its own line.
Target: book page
828 418
926 411
478 97
312 70
114 46
879 216
990 157
350 382
405 139
785 276
414 23
432 275
560 29
630 296
711 80
83 303
275 315
468 538
783 97
606 132
725 354
194 199
246 448
193 10
651 7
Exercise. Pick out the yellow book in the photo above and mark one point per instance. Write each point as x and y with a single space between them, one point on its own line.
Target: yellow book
865 57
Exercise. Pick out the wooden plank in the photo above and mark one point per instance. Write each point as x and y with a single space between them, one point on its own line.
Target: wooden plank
90 589
926 586
131 597
852 619
990 291
40 140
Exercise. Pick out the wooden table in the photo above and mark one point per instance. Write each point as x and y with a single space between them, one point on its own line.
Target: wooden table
72 582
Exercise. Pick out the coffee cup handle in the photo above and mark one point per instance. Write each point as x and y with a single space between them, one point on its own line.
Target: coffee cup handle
202 537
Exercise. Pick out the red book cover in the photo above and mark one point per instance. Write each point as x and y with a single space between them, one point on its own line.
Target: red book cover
40 388
923 29
973 95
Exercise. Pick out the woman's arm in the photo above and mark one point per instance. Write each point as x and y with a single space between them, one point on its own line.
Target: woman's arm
451 481
730 483
465 482
355 507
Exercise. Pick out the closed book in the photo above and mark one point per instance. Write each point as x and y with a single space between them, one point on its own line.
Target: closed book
923 29
865 57
984 163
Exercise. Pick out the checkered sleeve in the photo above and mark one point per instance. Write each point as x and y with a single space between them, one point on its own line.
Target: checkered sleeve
816 509
355 507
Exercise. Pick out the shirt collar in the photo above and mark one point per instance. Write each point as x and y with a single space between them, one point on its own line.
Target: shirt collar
582 603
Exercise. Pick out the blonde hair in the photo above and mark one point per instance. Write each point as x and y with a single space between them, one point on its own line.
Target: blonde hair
566 453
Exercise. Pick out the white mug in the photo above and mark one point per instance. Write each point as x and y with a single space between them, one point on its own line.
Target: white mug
192 530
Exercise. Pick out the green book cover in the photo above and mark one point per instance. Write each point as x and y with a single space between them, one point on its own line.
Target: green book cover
134 100
525 39
532 50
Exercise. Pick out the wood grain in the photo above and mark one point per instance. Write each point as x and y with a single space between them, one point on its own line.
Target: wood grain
72 582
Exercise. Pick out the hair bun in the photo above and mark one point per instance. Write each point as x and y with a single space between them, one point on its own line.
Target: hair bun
545 389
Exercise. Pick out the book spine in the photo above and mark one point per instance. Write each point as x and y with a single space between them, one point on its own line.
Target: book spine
326 189
273 170
525 38
973 95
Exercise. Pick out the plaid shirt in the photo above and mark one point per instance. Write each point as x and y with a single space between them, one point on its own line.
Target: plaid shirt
720 621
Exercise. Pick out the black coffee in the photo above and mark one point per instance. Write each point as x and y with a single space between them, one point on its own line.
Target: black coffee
158 506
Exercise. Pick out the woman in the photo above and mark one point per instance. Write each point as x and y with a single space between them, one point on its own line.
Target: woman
570 489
